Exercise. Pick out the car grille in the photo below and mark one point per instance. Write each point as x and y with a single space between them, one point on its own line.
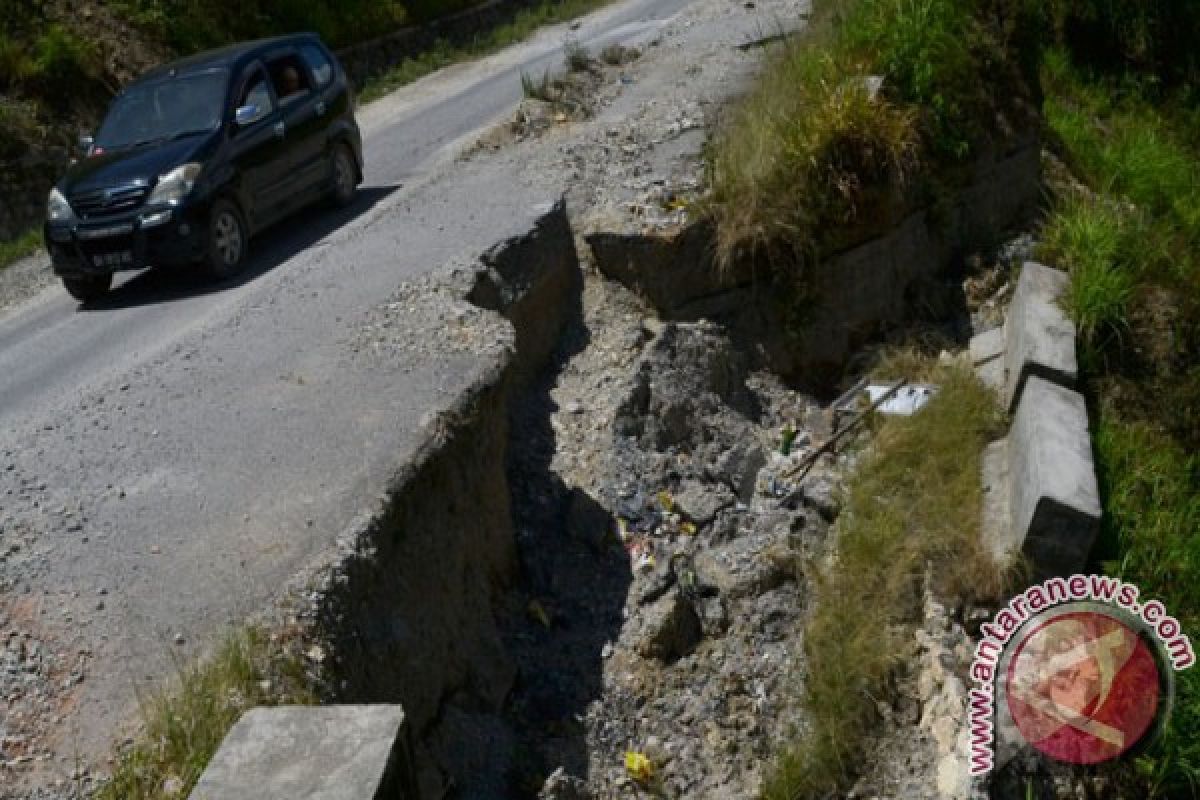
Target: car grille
112 200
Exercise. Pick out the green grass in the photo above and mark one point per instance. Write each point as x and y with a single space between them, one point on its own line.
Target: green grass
184 724
1098 243
24 245
1130 244
1151 490
810 149
911 506
444 53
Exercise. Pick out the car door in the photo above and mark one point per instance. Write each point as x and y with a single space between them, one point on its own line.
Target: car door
259 149
304 113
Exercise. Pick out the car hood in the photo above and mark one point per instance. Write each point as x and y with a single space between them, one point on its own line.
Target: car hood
134 164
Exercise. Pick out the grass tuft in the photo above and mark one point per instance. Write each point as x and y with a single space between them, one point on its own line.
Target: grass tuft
184 725
24 245
912 505
577 57
1091 239
813 145
802 151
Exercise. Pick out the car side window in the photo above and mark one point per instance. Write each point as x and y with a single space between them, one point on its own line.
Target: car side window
257 93
318 62
290 77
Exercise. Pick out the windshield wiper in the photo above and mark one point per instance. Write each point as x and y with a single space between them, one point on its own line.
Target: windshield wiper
169 137
182 134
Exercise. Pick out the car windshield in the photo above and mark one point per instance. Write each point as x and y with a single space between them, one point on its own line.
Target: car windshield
166 109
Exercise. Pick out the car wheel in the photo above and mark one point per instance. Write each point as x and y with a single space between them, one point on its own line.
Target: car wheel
87 288
226 240
345 175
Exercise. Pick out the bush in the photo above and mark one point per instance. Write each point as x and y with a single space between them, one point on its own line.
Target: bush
812 143
61 58
1157 37
191 25
801 152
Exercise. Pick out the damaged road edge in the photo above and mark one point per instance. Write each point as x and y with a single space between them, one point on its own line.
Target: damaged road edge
404 606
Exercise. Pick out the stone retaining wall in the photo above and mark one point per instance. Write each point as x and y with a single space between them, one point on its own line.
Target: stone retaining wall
880 278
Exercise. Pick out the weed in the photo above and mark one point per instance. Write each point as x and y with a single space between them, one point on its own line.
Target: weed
912 505
537 88
185 725
802 153
24 245
1089 237
614 55
577 57
814 145
445 53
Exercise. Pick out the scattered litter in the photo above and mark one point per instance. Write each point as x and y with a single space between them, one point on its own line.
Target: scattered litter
900 398
789 436
639 767
906 401
538 612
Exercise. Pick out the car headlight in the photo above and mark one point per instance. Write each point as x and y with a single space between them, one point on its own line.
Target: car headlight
57 207
175 185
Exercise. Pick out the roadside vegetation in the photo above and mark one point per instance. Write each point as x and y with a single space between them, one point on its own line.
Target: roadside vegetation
185 724
1126 224
886 99
874 94
19 248
443 53
911 508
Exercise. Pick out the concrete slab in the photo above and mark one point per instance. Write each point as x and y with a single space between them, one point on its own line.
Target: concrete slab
1054 501
1039 338
996 528
313 753
987 346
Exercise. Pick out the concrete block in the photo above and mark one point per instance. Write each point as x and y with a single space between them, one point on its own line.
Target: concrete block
997 529
987 346
313 753
1053 498
1039 338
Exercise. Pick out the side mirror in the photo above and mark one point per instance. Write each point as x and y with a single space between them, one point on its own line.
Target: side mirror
86 143
247 115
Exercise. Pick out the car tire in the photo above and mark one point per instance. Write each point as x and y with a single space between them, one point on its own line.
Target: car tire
343 176
87 288
227 240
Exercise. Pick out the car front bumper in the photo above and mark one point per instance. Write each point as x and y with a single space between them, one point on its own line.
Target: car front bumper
148 237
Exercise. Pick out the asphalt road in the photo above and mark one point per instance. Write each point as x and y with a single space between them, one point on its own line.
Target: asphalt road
182 449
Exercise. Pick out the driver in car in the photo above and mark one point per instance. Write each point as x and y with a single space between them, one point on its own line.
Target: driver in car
289 84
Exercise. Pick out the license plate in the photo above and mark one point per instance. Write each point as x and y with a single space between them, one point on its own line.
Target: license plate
117 259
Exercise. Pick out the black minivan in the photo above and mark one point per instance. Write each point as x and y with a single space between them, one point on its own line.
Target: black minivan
196 156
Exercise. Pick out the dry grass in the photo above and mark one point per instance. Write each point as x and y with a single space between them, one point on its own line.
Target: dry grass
801 150
913 505
184 724
812 146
